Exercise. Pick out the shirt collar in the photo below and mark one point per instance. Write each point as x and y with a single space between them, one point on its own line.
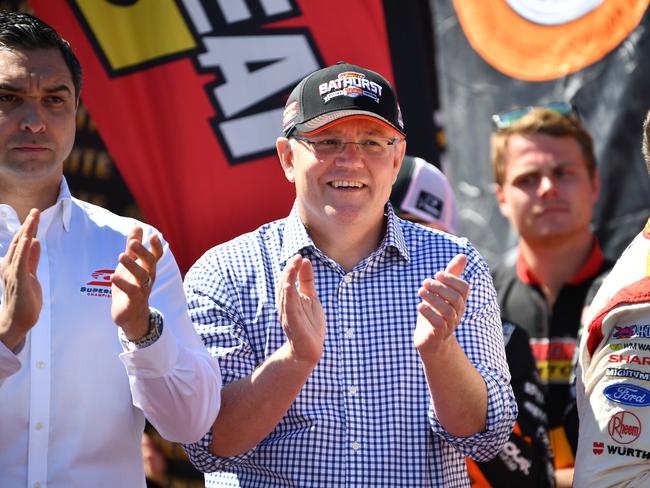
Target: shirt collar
589 269
394 235
62 208
296 238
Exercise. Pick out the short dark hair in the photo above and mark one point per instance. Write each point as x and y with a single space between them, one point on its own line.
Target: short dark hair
19 30
646 140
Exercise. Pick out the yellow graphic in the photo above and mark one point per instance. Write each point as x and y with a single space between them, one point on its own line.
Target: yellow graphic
534 52
555 371
562 452
137 33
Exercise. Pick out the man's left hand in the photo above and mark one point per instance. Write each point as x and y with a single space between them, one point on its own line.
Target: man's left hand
442 306
132 283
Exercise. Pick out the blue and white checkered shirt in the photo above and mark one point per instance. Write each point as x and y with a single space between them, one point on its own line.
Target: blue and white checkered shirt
364 417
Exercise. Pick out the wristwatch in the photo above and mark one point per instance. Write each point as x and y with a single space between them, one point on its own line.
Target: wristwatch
154 333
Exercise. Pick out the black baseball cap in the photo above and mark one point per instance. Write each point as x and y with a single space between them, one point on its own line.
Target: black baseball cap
341 91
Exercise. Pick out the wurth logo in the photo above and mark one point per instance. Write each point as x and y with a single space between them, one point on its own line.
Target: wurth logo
599 447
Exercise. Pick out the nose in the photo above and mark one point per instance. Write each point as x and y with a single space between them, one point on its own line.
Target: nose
32 119
547 185
349 156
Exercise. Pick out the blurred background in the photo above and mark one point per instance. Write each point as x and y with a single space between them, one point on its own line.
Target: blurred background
183 100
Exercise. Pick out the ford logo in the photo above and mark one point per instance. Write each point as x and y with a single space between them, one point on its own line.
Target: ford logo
628 394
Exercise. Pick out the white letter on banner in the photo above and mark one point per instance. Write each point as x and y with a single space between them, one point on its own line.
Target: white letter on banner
237 10
253 134
291 59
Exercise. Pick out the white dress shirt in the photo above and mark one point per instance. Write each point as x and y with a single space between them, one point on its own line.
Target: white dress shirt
71 399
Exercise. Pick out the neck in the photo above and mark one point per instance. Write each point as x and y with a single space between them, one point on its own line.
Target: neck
555 263
24 197
347 244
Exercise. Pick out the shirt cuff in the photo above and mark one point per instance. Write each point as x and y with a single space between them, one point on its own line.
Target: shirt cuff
155 360
9 362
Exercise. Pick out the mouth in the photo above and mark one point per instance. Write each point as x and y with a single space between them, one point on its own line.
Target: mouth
30 147
346 185
551 211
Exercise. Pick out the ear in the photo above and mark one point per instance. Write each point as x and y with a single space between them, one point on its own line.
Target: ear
285 154
400 151
504 208
595 184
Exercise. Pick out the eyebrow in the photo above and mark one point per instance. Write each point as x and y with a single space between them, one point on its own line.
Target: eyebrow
54 89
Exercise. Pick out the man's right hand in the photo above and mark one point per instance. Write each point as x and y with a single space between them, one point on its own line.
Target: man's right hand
301 313
23 296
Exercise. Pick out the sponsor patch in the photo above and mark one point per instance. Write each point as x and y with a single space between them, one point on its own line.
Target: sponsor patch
638 346
627 373
554 359
99 285
631 331
429 203
289 114
624 427
627 394
350 84
629 359
599 447
513 458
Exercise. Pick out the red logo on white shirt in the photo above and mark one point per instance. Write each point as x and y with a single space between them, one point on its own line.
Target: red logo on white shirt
599 447
101 277
100 285
624 427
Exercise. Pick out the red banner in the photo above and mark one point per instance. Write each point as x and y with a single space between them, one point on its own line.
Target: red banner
188 96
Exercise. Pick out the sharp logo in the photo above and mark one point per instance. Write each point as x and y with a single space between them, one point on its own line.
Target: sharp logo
253 66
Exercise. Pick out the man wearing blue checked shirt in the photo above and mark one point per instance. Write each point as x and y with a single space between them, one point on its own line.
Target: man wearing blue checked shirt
357 349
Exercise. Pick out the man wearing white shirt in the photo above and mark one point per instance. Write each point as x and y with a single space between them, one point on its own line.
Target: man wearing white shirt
74 388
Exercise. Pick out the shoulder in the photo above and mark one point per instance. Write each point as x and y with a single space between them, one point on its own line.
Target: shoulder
503 272
102 220
245 251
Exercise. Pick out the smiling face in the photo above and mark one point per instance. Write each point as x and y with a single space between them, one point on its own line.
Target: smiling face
37 117
547 191
349 188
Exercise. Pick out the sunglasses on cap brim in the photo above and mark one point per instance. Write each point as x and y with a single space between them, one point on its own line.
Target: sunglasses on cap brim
504 120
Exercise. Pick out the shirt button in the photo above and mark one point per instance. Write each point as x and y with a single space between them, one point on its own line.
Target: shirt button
349 333
40 364
356 446
352 390
39 426
347 279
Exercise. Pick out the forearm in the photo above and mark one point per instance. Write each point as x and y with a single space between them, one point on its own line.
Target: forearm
252 406
457 390
176 385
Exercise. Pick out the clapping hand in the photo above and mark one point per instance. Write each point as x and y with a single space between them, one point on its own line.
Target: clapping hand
442 306
23 296
300 312
132 282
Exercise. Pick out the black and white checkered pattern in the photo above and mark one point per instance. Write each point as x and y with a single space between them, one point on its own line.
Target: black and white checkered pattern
364 417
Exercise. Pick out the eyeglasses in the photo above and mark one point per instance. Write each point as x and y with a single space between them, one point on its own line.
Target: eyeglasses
506 119
370 147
